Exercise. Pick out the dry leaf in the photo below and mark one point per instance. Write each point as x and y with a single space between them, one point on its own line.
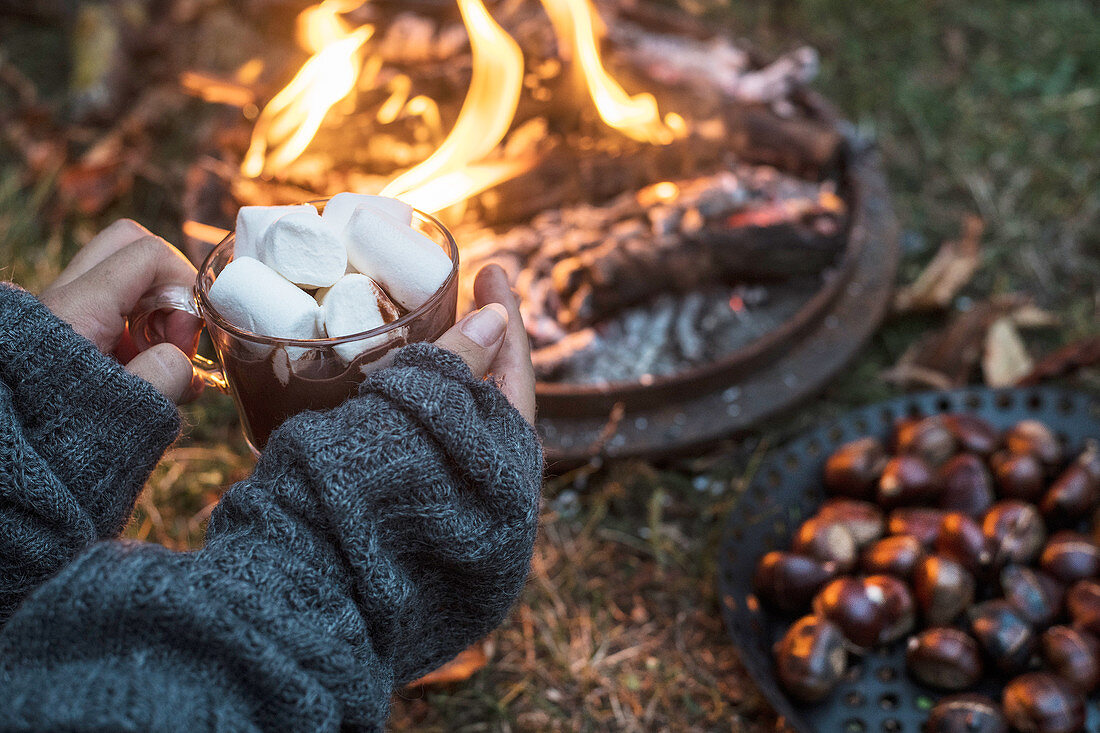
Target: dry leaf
946 358
1069 358
461 668
1005 360
948 272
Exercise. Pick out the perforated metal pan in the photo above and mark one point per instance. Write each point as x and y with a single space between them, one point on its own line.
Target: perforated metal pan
878 695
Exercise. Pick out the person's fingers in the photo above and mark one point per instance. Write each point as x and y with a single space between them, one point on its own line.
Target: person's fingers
166 368
513 363
103 245
97 302
477 338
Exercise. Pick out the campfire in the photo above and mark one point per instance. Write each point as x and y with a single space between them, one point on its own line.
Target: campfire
664 202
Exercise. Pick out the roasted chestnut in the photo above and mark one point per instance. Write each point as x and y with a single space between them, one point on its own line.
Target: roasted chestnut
862 519
944 657
907 480
901 614
1003 634
896 555
788 582
962 540
1015 530
929 439
854 468
942 589
827 542
973 434
1083 604
810 659
1075 493
1018 475
1070 556
1044 703
1032 436
1036 596
966 485
1073 655
966 713
917 522
858 609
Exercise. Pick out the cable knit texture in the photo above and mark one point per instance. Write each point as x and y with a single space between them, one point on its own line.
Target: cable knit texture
79 436
372 543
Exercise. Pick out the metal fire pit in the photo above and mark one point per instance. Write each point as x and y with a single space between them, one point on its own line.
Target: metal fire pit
877 695
668 415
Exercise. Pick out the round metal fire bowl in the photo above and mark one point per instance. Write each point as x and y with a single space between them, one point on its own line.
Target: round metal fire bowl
577 424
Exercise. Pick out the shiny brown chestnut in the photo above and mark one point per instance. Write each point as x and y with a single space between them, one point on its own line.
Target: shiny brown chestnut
896 555
1018 475
907 480
1075 493
788 582
962 540
1003 634
862 519
944 657
966 713
1090 459
929 439
901 614
1070 556
918 522
942 589
859 610
1032 436
1034 594
1073 655
1083 604
827 542
1042 702
972 433
810 659
1015 530
966 485
854 468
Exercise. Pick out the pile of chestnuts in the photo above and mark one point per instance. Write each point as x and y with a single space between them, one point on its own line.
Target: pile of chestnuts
966 543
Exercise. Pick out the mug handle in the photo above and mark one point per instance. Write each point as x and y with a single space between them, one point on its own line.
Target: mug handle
144 334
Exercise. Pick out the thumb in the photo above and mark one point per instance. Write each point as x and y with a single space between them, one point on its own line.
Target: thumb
478 337
168 369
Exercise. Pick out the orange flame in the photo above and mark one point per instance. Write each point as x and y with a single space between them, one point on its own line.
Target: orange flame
462 164
635 116
485 116
292 117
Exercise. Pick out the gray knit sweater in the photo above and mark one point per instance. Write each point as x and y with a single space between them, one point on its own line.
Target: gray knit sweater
371 543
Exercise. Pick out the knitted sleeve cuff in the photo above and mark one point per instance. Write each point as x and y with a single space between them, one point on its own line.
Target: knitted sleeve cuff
100 428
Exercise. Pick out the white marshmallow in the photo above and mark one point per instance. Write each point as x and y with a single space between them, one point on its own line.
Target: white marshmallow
252 296
252 224
353 305
304 249
339 208
409 265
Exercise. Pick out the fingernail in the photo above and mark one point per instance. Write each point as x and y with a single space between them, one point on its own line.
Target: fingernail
486 326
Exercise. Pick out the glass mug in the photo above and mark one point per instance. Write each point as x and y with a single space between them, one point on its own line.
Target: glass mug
272 379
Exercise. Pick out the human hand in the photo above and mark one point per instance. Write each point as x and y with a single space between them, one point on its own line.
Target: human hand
493 341
101 286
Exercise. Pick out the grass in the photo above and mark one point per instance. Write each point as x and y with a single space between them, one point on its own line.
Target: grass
988 107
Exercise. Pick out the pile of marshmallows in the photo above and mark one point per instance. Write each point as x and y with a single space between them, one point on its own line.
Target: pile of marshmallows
297 274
